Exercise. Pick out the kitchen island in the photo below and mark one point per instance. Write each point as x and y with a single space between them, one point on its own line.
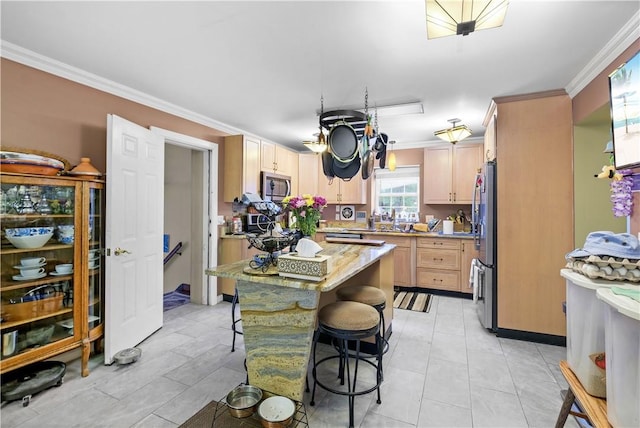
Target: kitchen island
279 314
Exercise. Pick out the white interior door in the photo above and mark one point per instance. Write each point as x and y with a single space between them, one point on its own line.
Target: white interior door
133 235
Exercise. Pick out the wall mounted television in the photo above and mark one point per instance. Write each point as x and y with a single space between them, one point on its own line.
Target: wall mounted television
624 97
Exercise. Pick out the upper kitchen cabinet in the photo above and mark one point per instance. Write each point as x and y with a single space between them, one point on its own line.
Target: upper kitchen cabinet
245 151
449 173
338 191
308 170
490 137
277 159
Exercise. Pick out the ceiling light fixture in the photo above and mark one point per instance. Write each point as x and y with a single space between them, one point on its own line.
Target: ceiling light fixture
320 145
317 146
455 133
451 17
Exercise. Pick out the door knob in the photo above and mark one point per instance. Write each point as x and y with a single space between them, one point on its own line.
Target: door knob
120 251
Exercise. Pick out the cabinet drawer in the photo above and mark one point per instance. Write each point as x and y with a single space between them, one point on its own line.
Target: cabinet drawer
439 279
438 259
399 241
445 243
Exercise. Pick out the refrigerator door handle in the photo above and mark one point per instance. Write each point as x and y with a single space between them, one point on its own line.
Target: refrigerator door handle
475 227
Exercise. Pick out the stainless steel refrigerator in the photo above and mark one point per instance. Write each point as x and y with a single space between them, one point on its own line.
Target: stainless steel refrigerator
484 230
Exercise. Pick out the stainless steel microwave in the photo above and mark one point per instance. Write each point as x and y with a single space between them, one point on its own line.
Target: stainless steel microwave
275 187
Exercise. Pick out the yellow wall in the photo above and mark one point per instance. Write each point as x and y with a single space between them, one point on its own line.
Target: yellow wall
592 195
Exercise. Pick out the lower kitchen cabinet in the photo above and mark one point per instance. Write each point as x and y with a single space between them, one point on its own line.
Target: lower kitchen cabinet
404 262
468 252
232 249
438 263
51 282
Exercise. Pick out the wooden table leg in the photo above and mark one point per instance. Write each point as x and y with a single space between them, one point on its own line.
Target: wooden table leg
569 398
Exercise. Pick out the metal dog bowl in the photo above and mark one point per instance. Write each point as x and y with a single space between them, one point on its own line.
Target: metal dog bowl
242 400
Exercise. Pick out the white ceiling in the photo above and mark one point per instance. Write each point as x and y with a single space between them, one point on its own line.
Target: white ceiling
261 67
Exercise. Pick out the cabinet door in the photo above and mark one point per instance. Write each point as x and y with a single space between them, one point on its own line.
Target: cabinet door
437 184
402 258
239 150
490 140
40 281
308 174
467 161
468 252
352 191
329 189
286 161
268 157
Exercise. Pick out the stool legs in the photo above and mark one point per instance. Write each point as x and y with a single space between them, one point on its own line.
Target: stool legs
345 370
234 321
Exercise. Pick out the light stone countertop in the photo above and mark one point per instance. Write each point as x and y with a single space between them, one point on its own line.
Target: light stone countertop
458 235
346 261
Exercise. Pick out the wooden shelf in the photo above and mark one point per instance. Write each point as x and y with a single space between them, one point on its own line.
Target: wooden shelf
9 324
13 250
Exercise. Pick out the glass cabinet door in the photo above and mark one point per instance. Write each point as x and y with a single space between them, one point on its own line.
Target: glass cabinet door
95 258
38 256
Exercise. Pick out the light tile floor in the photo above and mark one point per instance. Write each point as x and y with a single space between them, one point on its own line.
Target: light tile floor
442 370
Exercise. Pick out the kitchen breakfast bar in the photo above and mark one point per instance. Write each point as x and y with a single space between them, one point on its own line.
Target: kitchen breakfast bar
279 314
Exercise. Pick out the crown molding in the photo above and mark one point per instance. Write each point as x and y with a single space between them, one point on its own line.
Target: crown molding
40 62
628 34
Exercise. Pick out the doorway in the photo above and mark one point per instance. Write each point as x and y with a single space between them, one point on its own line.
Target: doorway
190 207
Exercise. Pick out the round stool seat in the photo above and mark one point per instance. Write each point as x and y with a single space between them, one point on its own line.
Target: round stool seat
362 293
352 316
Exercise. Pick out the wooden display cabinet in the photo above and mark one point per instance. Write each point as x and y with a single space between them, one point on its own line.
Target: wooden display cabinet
49 313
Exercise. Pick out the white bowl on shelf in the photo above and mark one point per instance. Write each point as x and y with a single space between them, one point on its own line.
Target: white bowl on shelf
29 237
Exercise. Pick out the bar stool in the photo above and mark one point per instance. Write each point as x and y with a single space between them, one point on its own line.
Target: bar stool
234 321
371 296
344 322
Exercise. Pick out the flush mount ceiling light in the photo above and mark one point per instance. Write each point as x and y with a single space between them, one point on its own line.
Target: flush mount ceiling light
455 133
451 17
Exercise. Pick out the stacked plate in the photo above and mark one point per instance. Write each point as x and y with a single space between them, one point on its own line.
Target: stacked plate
26 163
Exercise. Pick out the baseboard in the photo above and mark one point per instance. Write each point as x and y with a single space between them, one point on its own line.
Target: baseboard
529 336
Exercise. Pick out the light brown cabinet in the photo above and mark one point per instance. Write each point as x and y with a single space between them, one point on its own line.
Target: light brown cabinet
241 167
338 191
468 252
308 167
277 159
231 250
449 173
403 258
533 131
48 312
438 263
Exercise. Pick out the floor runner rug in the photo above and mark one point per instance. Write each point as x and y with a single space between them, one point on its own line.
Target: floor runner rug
419 302
178 297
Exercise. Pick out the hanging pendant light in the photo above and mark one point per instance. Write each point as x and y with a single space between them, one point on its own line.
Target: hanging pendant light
391 162
455 133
